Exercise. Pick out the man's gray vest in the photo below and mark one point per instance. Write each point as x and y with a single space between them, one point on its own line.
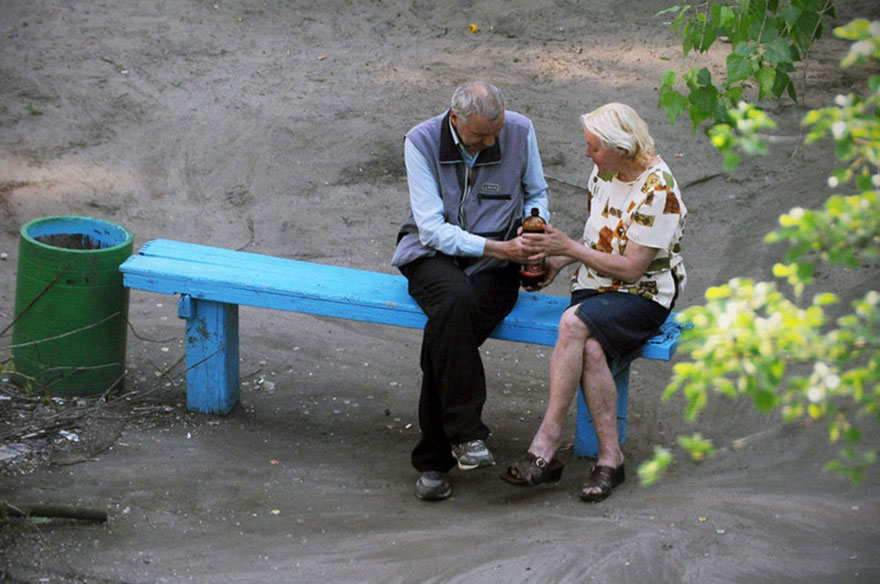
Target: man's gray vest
493 207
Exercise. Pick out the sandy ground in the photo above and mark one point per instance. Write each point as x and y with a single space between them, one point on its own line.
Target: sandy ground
277 127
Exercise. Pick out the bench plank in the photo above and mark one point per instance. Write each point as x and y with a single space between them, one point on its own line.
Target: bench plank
245 278
302 287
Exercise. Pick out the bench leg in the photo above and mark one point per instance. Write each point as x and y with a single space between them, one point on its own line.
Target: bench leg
211 354
585 443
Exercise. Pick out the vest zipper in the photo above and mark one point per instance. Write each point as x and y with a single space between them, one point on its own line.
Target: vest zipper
464 197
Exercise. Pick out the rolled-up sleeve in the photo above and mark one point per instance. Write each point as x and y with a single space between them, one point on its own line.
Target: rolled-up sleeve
534 184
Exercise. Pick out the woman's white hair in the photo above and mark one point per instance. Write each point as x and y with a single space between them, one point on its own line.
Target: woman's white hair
477 97
618 126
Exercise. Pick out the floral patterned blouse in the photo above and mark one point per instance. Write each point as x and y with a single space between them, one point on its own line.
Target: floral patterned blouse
649 211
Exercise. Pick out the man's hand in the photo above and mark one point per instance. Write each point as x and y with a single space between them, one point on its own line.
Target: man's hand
511 250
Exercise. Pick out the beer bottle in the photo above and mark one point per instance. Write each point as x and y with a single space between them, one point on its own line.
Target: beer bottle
531 274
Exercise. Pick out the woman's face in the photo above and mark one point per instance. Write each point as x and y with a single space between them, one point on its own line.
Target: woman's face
607 160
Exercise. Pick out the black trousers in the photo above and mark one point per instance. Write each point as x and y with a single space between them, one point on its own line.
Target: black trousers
462 311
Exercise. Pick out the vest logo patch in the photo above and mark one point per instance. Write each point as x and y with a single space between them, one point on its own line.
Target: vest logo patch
490 188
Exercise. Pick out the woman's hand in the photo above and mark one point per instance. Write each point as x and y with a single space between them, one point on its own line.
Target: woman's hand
553 242
552 266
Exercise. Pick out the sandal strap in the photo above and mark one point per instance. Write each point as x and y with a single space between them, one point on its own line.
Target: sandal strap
523 468
605 478
531 468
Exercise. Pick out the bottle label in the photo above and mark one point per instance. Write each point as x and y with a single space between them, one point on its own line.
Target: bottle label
532 272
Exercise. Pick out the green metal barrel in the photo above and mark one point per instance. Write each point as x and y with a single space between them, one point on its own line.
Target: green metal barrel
71 309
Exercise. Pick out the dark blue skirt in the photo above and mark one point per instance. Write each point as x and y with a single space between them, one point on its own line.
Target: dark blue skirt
620 321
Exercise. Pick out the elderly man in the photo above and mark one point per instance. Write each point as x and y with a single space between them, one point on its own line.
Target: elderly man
473 173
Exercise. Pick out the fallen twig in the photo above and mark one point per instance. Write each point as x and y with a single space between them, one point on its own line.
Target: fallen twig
53 511
703 179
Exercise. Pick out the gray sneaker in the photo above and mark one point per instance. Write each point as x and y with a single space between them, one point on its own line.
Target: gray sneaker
473 454
433 486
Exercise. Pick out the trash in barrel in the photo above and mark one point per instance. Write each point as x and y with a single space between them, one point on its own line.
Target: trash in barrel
71 309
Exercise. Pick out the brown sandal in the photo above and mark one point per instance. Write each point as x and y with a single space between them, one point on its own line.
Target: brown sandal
532 470
604 478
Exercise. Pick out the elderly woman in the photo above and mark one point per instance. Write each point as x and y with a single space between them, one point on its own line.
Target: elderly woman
628 277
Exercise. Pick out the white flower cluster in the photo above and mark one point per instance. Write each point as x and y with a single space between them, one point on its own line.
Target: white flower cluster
822 380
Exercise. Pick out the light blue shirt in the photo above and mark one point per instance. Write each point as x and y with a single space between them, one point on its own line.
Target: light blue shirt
427 203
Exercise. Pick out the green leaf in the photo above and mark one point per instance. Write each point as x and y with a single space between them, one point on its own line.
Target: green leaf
738 68
731 160
677 22
792 92
765 400
745 49
687 40
705 99
725 386
753 24
805 271
773 29
781 82
697 117
704 77
669 78
790 14
863 182
811 5
653 469
777 51
756 8
853 31
707 39
766 77
674 103
698 446
734 94
844 149
805 30
852 434
728 19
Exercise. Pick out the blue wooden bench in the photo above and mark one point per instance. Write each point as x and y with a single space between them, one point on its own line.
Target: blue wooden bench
212 282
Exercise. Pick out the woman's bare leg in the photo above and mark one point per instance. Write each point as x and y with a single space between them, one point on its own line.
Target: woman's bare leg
566 370
600 394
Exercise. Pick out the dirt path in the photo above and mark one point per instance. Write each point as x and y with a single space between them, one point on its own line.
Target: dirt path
277 127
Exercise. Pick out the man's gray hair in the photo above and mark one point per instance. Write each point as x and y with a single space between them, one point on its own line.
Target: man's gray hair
477 97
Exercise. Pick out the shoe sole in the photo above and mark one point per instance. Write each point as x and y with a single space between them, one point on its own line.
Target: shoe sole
438 497
481 464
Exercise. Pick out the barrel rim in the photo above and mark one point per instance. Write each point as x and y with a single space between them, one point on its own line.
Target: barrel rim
127 237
